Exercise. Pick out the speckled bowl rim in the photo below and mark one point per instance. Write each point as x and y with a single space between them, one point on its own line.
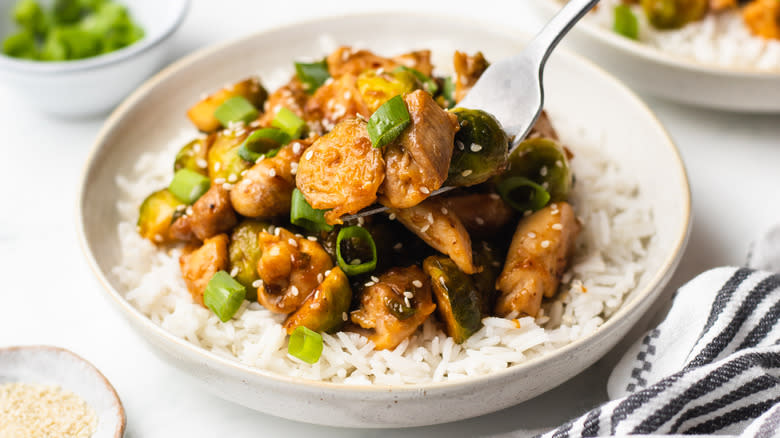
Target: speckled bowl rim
659 278
642 50
120 427
100 61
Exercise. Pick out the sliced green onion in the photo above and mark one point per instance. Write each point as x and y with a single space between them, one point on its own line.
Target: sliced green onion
305 216
388 122
522 194
305 344
236 109
29 15
224 295
263 142
289 123
313 74
187 185
427 82
448 92
21 45
626 23
355 237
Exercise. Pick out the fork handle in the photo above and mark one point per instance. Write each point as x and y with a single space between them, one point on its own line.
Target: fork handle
551 34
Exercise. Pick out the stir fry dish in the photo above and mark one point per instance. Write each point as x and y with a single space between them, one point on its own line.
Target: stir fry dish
761 17
259 203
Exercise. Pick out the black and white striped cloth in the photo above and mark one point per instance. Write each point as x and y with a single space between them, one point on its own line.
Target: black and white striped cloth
711 367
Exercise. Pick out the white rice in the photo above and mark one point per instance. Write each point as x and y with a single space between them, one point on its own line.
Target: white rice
609 262
720 39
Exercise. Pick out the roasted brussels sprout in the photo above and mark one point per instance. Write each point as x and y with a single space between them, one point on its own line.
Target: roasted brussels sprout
377 88
194 155
480 148
202 113
487 258
544 162
458 301
325 309
156 215
244 252
223 159
673 14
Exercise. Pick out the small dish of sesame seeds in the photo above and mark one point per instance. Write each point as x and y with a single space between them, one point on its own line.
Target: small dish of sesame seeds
48 391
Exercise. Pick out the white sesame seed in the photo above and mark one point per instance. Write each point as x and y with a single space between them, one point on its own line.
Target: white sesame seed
546 185
296 148
531 235
417 283
294 290
479 220
257 283
398 246
391 216
181 207
234 271
545 243
444 210
406 301
243 172
327 272
424 190
311 238
344 316
528 213
232 178
442 281
292 242
202 163
558 163
158 238
369 284
408 294
425 228
460 144
299 235
277 231
227 186
308 155
259 159
557 227
188 212
219 180
217 166
554 206
361 221
375 279
347 95
543 171
272 172
429 217
320 277
475 147
466 172
274 251
494 196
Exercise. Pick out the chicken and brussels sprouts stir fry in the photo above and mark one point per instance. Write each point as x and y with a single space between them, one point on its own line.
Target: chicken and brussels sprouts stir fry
258 203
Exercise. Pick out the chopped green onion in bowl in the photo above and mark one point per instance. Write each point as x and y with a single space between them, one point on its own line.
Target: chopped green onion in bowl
302 214
187 185
387 122
305 344
224 295
626 23
355 250
234 110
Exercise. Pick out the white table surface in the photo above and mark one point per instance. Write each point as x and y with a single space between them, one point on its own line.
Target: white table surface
48 294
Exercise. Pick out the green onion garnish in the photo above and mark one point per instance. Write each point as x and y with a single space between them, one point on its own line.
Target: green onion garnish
448 92
313 74
21 45
305 344
427 82
388 122
187 185
289 123
224 295
305 216
626 23
263 142
358 242
522 194
236 109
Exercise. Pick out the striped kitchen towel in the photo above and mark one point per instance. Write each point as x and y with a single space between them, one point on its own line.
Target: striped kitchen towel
711 367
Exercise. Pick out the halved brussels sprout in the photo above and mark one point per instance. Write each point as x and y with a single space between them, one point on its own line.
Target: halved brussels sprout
325 310
244 252
156 215
194 156
202 113
459 303
544 162
487 258
223 159
673 14
480 150
377 88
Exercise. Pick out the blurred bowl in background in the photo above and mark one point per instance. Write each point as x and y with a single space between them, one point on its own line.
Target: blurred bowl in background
92 86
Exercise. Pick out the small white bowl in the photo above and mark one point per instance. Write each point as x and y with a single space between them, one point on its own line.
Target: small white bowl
93 86
45 365
668 76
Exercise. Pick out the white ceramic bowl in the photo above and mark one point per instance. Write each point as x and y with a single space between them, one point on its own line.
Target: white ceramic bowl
95 85
45 365
577 90
672 77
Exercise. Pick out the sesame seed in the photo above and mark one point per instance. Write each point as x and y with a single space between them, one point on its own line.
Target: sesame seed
219 181
202 163
320 277
494 196
181 207
442 281
232 178
188 212
406 301
531 235
369 284
417 283
558 163
294 290
479 220
398 246
543 171
243 172
391 216
425 228
444 210
429 217
528 213
374 278
347 95
158 238
424 190
557 227
344 316
546 185
460 144
475 147
408 294
361 221
277 231
296 148
356 262
234 271
227 186
309 155
327 272
554 206
259 159
274 251
299 235
292 242
272 172
311 238
466 172
257 283
545 243
217 166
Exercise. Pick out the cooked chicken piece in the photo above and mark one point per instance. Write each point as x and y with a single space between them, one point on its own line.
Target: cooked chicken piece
722 5
335 101
341 171
543 128
419 60
290 267
198 266
541 248
346 60
266 189
468 69
762 17
291 96
440 228
481 213
212 213
418 160
394 307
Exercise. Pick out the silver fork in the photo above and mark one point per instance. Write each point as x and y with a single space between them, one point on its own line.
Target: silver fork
512 89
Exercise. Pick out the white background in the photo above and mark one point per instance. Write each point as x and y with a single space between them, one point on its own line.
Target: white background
48 295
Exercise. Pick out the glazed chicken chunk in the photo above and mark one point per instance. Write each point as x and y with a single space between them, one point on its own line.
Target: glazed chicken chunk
198 266
468 69
211 214
540 251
